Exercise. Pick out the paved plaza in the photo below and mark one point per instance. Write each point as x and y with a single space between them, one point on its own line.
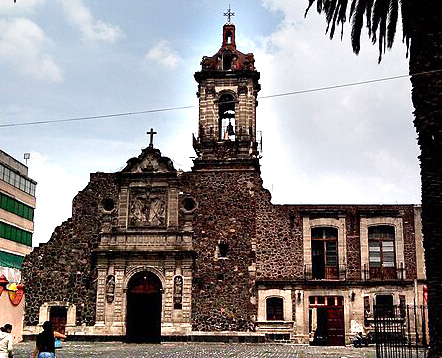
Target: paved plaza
200 350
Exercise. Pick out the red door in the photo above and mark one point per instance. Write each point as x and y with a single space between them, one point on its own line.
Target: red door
335 326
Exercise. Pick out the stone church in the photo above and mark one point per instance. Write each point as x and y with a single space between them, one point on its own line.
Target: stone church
152 253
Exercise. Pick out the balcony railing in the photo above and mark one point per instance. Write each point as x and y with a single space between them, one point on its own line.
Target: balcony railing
312 272
383 273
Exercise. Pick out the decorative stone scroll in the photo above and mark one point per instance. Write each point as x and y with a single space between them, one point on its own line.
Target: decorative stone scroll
110 288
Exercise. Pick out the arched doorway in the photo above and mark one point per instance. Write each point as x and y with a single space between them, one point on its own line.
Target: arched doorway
143 322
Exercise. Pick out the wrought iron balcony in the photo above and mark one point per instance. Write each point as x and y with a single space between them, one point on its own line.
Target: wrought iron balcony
313 272
383 273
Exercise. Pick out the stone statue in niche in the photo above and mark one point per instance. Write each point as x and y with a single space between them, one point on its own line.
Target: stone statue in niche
157 212
110 288
178 292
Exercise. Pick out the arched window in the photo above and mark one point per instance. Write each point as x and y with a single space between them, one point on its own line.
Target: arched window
226 117
381 252
227 60
275 309
229 37
325 253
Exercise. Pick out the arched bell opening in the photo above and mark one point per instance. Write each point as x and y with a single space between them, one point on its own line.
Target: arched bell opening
144 303
227 60
226 123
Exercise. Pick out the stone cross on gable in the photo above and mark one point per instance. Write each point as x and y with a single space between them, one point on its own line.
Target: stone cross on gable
151 133
229 14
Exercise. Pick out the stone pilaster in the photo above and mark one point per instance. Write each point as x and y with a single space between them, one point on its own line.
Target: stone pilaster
124 202
187 289
169 272
101 292
119 294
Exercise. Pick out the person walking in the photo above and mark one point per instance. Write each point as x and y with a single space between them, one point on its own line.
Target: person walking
45 344
6 341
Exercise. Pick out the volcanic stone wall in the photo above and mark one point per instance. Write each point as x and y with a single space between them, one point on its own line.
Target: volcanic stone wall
223 295
64 268
279 241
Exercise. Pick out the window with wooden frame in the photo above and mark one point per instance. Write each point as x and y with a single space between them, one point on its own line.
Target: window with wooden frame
381 251
275 309
325 253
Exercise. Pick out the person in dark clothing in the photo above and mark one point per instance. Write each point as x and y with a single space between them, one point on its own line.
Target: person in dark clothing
45 344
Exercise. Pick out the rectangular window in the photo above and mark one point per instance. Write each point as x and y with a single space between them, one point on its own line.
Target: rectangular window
22 183
8 234
13 233
275 309
16 207
325 253
10 207
402 305
7 175
384 305
10 260
17 180
4 202
381 250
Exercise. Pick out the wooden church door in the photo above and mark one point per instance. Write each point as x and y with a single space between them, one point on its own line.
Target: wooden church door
144 303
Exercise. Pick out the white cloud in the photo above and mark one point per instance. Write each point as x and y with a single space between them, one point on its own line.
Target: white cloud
23 48
81 17
8 7
339 146
163 54
55 191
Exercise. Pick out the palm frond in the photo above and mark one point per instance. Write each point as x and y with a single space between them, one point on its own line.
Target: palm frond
393 14
381 18
357 15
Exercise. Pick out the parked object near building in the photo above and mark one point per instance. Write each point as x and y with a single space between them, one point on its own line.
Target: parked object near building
152 253
17 204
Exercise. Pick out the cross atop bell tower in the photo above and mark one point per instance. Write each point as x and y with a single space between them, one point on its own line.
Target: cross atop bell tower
227 89
229 14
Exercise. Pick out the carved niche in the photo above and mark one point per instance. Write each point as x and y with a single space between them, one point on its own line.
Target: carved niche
178 292
147 207
110 288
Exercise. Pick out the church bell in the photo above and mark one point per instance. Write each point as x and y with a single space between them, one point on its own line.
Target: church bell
230 130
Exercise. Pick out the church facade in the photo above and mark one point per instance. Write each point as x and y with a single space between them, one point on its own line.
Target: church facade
153 253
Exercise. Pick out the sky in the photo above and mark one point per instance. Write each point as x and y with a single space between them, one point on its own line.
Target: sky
69 59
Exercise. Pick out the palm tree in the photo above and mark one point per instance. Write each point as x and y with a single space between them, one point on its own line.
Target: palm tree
422 32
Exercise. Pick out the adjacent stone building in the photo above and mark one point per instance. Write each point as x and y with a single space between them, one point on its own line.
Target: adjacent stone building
153 253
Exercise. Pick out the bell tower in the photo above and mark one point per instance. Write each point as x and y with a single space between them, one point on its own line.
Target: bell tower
227 90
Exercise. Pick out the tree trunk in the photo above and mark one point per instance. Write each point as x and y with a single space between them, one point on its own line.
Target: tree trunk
426 55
